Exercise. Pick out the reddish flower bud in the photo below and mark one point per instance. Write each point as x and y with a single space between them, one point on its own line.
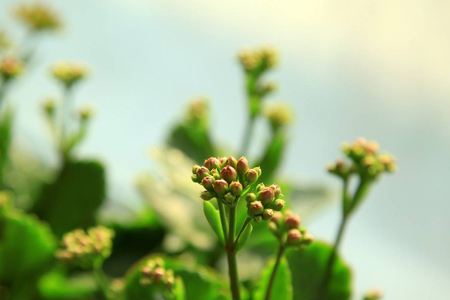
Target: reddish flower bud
267 214
208 183
277 217
228 173
207 195
212 163
158 274
231 161
266 195
276 189
242 165
236 188
250 197
220 187
222 160
293 221
294 237
228 198
146 271
278 204
255 208
251 176
202 172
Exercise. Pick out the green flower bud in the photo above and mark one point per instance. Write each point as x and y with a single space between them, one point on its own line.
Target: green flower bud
212 163
228 173
250 197
228 198
266 195
49 106
236 188
276 189
242 165
260 186
293 221
257 219
69 73
267 214
202 172
194 178
222 160
207 195
208 183
255 208
221 187
214 173
294 237
195 169
251 176
273 227
307 239
278 204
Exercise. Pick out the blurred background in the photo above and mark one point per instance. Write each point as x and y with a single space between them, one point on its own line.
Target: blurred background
378 69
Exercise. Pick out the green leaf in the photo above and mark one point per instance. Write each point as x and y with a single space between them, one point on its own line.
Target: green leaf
282 286
6 121
179 291
308 267
244 237
272 156
26 250
58 286
213 217
73 199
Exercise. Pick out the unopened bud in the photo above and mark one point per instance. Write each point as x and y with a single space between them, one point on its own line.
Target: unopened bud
146 271
228 198
221 187
195 169
222 160
277 217
260 186
212 163
294 237
250 197
273 227
207 195
158 274
228 173
293 221
276 189
242 165
251 176
202 172
255 208
266 195
308 239
208 183
236 188
267 214
278 204
257 219
231 161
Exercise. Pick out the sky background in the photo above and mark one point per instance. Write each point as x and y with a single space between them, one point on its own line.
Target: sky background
378 69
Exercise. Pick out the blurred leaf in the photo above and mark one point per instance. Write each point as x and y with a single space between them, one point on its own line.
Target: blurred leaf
244 237
57 285
308 267
282 287
272 157
6 121
213 217
73 199
26 251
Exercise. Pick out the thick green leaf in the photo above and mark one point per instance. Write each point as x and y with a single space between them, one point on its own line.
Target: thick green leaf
26 251
73 199
272 157
244 237
282 286
213 217
179 291
308 267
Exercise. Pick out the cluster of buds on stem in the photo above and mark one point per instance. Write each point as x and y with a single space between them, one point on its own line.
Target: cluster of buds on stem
83 249
288 230
10 67
258 60
224 178
68 73
365 160
38 16
86 113
154 274
263 204
279 115
375 294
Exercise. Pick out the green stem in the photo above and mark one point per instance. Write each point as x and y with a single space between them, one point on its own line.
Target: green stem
247 135
100 279
231 256
274 272
223 219
3 89
244 225
65 120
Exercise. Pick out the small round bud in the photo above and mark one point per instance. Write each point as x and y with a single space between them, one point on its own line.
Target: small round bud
208 183
273 227
250 197
212 163
194 178
294 237
207 195
202 172
146 271
308 239
251 175
231 161
293 221
278 204
222 160
228 198
214 173
255 208
195 169
220 187
266 195
277 217
260 186
276 189
158 274
242 165
236 188
267 214
228 173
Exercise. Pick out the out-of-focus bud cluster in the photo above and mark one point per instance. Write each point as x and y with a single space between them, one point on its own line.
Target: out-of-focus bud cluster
198 111
10 67
38 16
86 113
288 230
5 43
155 275
258 60
69 72
83 249
365 158
375 294
279 115
49 106
266 201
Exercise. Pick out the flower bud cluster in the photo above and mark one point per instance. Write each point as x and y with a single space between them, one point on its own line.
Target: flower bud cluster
258 60
10 67
155 275
375 294
365 158
279 115
287 228
224 178
38 16
69 72
266 201
86 113
82 249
